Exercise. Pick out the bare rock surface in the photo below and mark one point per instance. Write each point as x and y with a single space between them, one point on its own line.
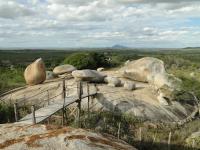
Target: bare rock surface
35 73
88 75
63 69
142 102
152 71
145 101
112 81
46 137
129 85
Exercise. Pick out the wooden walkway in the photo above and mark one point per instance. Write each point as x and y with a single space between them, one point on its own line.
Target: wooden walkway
37 116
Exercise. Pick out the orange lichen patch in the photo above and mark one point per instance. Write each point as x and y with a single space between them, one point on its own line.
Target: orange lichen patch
52 127
53 133
30 140
22 128
73 137
10 142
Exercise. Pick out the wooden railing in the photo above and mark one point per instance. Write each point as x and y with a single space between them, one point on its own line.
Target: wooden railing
79 88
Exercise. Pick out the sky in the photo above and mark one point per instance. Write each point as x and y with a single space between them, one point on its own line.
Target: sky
99 23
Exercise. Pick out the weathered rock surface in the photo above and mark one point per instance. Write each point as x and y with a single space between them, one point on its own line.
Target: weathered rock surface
50 75
35 73
112 81
129 85
142 102
63 69
151 70
88 75
139 70
46 137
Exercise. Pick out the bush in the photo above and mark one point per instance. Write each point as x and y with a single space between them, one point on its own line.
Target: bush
6 113
10 79
87 60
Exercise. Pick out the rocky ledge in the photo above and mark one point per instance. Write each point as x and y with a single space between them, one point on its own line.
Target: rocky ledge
46 137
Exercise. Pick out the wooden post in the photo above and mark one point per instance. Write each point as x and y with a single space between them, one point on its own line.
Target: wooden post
16 112
48 97
140 137
154 138
63 109
64 90
118 132
79 102
169 140
88 92
33 114
63 116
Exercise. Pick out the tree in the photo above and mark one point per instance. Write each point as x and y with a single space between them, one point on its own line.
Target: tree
87 60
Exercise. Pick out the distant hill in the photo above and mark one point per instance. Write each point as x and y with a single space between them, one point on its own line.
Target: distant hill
117 46
191 48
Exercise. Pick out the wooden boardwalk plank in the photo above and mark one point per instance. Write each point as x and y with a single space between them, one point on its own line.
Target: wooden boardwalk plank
45 112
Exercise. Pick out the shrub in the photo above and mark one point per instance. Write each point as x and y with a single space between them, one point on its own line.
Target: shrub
87 60
10 79
6 113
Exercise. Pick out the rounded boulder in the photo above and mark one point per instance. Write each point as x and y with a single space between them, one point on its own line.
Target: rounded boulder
35 73
62 69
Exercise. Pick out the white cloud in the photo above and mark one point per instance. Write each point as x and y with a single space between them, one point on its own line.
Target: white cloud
99 22
12 9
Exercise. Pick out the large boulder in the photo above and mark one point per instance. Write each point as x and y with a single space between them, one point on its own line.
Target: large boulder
112 81
88 75
35 73
151 70
139 70
62 69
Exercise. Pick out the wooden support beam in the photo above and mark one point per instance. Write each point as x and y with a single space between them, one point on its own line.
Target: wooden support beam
64 89
33 114
118 131
169 140
80 92
16 112
48 97
88 92
63 116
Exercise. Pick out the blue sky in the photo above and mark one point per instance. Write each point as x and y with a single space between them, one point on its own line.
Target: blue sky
99 23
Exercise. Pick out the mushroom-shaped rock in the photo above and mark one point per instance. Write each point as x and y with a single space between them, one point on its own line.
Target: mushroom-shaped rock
50 75
112 81
62 69
128 85
35 73
88 75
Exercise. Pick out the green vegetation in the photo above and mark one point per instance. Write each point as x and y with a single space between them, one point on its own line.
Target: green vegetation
87 60
183 63
140 133
11 78
6 113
